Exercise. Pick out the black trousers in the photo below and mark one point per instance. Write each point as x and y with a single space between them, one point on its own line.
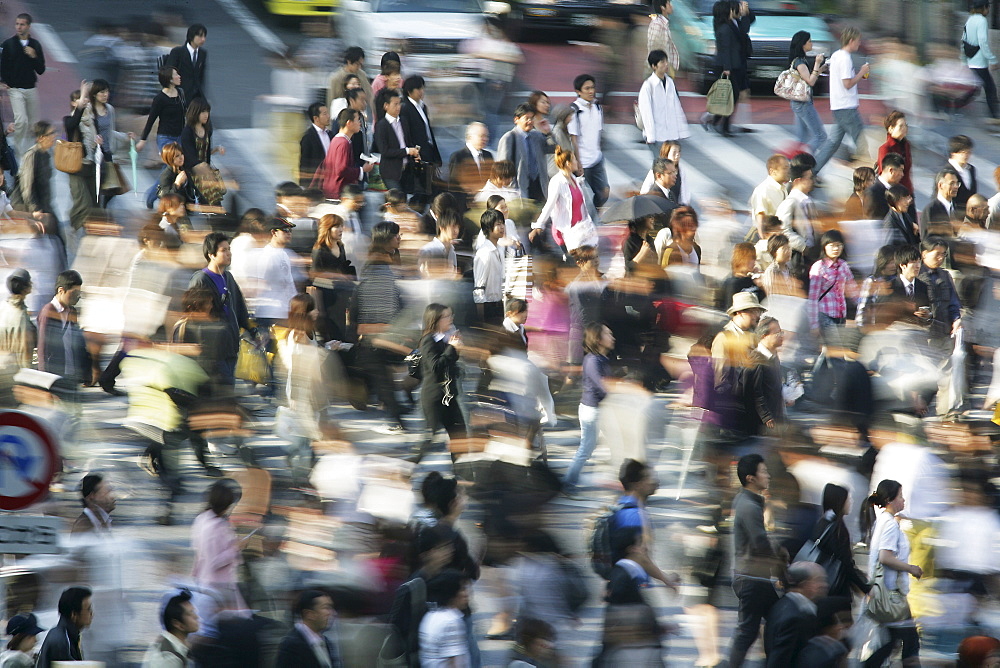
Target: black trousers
756 598
906 635
376 367
989 89
437 416
493 313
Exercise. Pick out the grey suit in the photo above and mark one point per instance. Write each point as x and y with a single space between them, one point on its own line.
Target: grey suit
510 148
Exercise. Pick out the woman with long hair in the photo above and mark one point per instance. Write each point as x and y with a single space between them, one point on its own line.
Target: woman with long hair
540 103
854 206
888 551
808 126
196 142
333 276
778 278
441 375
877 287
741 277
598 342
351 81
566 208
174 220
173 178
731 21
98 125
836 541
216 548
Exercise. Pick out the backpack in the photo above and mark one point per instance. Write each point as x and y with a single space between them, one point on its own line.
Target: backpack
601 559
402 648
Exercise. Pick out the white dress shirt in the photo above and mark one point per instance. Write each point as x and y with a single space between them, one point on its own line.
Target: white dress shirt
948 206
963 172
487 273
477 155
324 138
586 125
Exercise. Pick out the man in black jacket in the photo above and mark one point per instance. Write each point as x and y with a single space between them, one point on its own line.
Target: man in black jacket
765 380
792 621
227 297
876 205
306 645
897 226
315 143
190 62
754 556
905 286
938 217
394 143
62 642
417 121
21 62
469 167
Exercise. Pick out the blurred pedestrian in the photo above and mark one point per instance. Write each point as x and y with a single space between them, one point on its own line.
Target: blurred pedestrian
731 21
354 63
396 147
808 126
217 551
315 143
23 630
854 206
444 502
22 61
81 184
876 206
441 377
101 139
174 178
179 620
98 498
598 342
835 540
62 642
743 276
443 637
535 646
755 560
681 190
877 287
33 191
658 35
308 644
565 208
798 213
792 621
659 106
844 101
983 61
898 227
389 65
888 552
524 148
18 333
272 283
469 167
946 319
586 126
778 278
828 648
897 141
488 269
766 378
959 152
338 168
333 276
769 194
191 62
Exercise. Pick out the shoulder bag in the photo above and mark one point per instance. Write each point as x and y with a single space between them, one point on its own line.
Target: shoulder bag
970 50
886 605
811 551
68 156
791 86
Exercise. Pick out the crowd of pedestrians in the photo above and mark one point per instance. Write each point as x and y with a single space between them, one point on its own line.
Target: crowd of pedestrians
511 289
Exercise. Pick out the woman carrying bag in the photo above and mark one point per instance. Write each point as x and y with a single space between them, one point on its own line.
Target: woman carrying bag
808 126
440 376
732 21
888 551
835 539
100 134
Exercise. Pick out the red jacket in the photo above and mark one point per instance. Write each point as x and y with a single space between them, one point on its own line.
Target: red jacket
902 147
338 168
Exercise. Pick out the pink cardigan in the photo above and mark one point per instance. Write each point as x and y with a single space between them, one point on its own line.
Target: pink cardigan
216 550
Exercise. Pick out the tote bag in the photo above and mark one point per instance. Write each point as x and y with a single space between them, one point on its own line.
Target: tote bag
720 97
791 86
69 156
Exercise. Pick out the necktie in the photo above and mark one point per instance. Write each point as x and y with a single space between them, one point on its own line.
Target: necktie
530 152
194 57
909 290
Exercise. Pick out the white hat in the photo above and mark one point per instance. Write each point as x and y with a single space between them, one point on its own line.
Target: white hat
744 301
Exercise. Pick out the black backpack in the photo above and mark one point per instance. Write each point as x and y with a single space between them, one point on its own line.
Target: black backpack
601 559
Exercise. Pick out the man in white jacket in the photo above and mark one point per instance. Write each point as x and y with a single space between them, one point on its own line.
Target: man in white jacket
659 106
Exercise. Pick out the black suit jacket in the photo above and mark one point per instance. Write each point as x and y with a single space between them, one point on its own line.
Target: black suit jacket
192 74
787 631
933 215
920 296
417 132
295 652
733 46
461 163
391 166
897 228
764 387
876 205
311 155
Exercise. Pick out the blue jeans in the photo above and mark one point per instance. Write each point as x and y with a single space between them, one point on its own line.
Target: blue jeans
808 126
597 178
588 441
151 194
848 121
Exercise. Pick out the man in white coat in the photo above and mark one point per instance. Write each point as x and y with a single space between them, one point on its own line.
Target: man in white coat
660 107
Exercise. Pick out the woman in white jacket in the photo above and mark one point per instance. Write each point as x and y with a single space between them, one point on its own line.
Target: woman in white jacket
566 207
659 106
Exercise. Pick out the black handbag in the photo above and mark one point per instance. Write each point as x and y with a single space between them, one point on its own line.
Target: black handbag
969 49
811 551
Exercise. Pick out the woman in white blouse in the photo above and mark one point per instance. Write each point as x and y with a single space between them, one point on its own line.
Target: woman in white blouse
566 207
659 106
890 548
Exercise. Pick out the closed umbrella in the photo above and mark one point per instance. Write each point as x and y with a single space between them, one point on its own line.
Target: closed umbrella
98 159
134 155
637 207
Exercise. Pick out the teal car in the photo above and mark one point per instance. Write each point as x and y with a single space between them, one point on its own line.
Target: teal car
777 21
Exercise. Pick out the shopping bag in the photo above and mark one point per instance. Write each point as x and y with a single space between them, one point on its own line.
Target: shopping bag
719 100
113 181
251 363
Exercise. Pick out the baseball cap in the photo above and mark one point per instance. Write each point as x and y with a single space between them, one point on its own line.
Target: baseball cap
23 624
280 224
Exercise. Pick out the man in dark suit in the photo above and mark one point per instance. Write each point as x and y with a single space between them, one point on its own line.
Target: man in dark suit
876 205
357 99
938 216
469 167
905 285
315 143
959 152
417 122
190 62
394 144
306 645
792 621
525 147
897 226
765 378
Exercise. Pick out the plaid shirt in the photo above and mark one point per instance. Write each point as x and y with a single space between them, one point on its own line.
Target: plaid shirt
828 281
659 37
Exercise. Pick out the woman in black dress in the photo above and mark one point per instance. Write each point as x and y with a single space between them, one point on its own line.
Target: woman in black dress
836 504
440 376
333 275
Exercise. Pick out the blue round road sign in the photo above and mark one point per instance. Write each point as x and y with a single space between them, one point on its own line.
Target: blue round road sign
29 459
